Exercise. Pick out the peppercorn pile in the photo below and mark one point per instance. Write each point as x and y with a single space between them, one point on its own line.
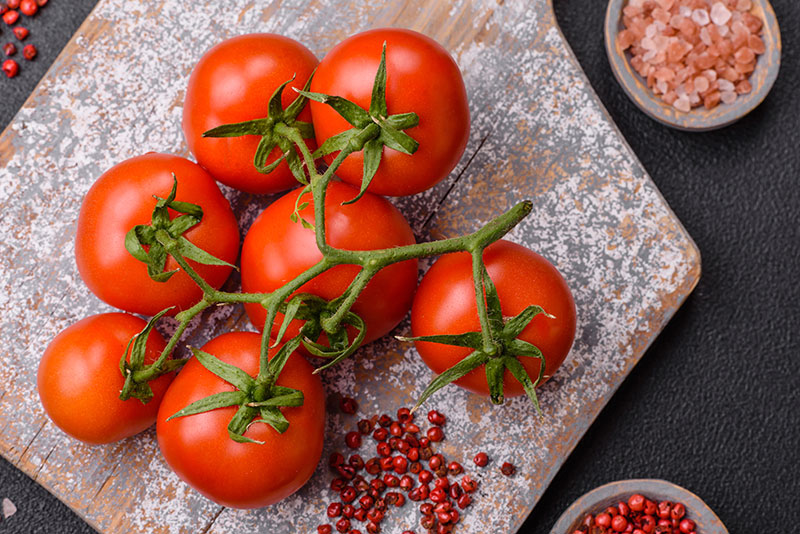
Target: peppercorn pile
639 515
399 467
10 11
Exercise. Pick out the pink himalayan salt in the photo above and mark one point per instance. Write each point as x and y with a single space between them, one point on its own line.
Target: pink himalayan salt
728 97
682 104
682 55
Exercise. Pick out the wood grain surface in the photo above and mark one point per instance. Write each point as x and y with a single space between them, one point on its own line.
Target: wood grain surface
538 132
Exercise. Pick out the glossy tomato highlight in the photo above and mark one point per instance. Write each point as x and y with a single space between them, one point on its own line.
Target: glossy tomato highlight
276 250
122 198
445 304
232 83
79 380
421 77
241 475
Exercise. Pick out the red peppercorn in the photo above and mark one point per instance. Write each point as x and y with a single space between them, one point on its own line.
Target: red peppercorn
623 509
13 4
41 3
373 466
481 459
648 523
400 465
365 426
11 68
360 515
438 495
380 434
436 418
436 462
619 523
636 502
354 531
20 32
411 428
687 526
336 459
353 440
423 443
391 480
343 525
9 49
427 521
334 509
324 529
443 517
356 462
468 484
664 508
508 469
442 483
383 449
28 7
346 472
404 415
413 454
678 511
412 441
650 507
415 467
337 484
454 468
603 520
348 494
464 501
375 515
10 17
435 434
387 463
373 528
348 405
384 420
425 477
637 531
455 491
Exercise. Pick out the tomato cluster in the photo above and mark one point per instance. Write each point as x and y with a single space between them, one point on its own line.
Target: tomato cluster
155 235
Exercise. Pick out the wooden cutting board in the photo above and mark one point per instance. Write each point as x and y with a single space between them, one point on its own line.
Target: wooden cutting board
538 132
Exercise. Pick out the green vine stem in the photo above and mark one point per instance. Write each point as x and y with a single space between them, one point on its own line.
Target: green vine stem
373 130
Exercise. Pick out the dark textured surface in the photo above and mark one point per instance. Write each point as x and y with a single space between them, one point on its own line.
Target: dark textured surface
712 404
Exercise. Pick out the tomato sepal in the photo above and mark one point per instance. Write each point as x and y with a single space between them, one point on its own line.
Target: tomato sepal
136 374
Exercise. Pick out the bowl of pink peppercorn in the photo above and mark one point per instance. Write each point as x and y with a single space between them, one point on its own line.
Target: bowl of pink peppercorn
695 65
642 506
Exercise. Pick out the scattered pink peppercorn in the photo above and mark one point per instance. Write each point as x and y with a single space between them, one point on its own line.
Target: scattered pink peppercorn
20 32
41 3
481 459
10 17
348 405
11 68
29 7
324 529
13 4
437 418
9 49
508 469
352 439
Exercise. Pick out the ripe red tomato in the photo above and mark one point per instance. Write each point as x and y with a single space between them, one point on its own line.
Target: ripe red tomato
79 379
232 83
123 198
276 250
421 77
445 304
241 475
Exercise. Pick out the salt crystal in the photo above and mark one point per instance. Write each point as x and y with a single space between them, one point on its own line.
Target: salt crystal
720 14
682 104
665 4
725 85
9 508
685 11
700 17
681 92
648 43
649 56
661 86
705 37
701 84
660 26
723 30
710 74
651 31
675 21
728 97
694 98
744 5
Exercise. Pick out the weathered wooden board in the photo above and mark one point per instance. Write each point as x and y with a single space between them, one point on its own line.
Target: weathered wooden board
538 132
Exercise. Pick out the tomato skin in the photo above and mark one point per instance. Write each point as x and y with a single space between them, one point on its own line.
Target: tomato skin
241 475
421 77
445 304
231 83
122 198
276 250
79 379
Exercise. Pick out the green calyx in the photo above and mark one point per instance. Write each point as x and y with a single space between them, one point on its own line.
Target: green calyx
259 399
372 129
273 132
496 346
164 236
135 372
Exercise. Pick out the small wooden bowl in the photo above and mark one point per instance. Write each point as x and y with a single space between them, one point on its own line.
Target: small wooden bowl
698 119
659 490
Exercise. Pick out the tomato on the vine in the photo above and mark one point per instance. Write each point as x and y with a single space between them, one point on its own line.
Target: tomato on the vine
276 250
232 83
445 304
241 475
122 198
79 380
421 77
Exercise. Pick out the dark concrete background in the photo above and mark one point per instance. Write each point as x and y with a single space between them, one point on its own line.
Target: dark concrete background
713 405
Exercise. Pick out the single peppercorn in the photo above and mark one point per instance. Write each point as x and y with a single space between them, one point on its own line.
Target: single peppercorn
29 7
10 17
353 440
11 68
436 418
20 32
508 469
348 405
13 4
343 525
9 49
324 529
435 434
481 459
29 52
